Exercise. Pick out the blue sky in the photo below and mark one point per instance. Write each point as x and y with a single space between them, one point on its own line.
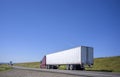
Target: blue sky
30 29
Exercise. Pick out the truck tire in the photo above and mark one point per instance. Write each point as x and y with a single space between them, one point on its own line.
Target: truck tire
48 67
82 67
71 67
67 67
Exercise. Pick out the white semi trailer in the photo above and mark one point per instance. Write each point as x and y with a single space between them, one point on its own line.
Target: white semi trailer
74 58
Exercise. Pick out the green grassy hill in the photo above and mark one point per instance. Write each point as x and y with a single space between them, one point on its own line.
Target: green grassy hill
108 64
111 64
29 64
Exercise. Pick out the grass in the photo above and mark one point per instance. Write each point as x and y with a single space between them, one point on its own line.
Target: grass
106 64
5 67
62 67
29 64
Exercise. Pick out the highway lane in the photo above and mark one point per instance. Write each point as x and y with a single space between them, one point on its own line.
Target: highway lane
74 72
32 73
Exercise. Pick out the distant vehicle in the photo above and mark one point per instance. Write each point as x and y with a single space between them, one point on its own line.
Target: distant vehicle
11 63
74 59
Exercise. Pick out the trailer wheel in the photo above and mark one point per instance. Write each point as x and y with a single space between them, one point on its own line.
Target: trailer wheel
82 67
67 67
71 67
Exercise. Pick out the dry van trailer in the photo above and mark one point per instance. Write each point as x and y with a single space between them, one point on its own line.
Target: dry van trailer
74 59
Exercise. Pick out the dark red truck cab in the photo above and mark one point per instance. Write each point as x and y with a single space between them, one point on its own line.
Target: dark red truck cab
43 63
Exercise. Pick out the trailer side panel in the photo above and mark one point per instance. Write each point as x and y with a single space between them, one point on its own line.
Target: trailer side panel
71 56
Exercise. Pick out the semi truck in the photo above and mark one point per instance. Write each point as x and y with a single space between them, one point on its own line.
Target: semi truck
74 58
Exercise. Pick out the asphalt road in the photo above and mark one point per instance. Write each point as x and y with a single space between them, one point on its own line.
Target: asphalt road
33 72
